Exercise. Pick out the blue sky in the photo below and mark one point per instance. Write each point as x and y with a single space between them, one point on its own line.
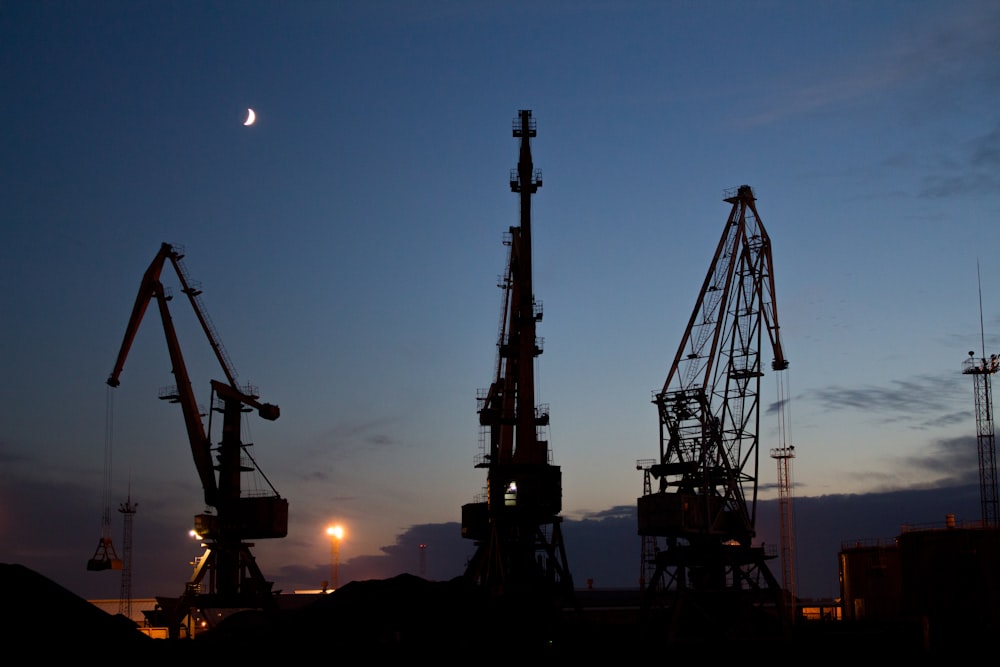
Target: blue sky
350 241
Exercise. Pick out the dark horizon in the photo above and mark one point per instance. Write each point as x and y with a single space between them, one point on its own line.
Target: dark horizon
603 547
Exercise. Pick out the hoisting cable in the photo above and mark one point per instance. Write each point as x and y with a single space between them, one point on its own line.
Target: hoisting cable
109 425
105 557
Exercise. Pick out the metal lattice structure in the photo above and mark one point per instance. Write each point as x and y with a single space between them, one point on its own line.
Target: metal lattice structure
783 456
128 510
710 579
517 528
981 370
648 545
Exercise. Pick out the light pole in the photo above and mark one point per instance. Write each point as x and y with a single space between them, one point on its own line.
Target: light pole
336 534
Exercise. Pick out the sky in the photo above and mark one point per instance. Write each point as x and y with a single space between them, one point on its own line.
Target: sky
349 244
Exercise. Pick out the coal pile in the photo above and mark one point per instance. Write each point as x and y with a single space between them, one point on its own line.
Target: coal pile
406 616
402 615
40 612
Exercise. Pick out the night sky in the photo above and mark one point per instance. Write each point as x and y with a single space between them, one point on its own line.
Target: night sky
349 244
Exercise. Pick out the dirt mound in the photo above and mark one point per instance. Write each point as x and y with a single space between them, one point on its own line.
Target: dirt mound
404 611
37 608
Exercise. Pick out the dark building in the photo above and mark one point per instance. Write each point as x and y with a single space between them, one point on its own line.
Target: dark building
950 580
939 580
871 580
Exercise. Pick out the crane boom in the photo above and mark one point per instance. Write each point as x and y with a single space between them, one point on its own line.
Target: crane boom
152 288
146 290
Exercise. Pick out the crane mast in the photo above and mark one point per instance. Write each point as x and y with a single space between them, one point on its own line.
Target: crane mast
519 547
705 506
227 575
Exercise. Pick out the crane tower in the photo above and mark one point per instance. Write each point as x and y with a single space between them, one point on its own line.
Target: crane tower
710 580
519 547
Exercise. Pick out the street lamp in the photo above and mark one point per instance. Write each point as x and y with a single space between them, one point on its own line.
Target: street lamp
336 534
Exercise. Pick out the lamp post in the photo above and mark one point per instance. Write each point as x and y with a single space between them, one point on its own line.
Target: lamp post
336 534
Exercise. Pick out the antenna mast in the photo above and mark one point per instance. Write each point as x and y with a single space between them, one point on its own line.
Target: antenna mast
784 455
981 369
127 509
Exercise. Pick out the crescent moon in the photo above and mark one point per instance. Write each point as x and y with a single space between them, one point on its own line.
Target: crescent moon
251 117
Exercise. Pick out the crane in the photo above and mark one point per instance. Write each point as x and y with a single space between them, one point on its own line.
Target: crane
519 546
234 580
709 578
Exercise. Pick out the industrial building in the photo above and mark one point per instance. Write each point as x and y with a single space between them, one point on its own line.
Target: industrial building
939 580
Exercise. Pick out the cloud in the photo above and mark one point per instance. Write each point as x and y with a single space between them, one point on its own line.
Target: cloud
972 172
776 407
951 460
605 546
919 399
602 546
941 64
9 454
986 150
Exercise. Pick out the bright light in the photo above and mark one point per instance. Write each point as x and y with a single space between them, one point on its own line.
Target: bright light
336 533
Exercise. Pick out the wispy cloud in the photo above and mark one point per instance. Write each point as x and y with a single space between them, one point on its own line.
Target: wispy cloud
974 170
936 62
926 400
952 460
